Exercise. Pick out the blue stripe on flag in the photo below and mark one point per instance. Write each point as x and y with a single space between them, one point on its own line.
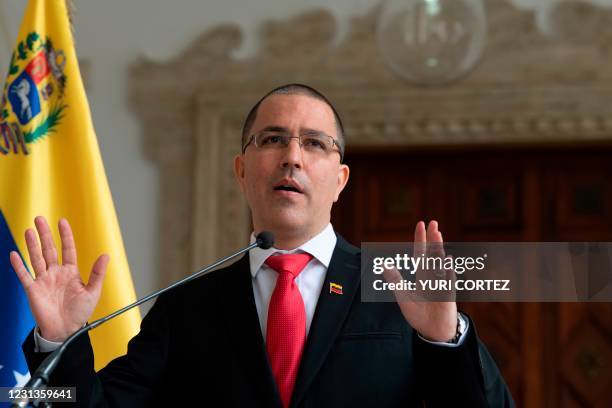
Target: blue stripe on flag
16 320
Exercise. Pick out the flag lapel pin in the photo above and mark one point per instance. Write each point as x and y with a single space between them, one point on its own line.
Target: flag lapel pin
335 288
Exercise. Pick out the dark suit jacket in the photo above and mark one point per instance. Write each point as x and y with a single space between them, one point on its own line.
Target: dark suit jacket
203 343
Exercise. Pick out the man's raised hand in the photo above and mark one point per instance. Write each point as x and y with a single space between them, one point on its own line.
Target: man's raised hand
60 301
434 320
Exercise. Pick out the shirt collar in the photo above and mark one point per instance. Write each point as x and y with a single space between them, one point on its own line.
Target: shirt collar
321 247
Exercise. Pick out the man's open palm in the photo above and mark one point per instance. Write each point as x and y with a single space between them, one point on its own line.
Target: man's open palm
435 320
60 301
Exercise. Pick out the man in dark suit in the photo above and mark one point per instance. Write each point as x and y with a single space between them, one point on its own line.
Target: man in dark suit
280 327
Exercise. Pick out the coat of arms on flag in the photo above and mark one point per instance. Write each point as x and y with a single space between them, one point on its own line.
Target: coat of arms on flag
32 100
50 165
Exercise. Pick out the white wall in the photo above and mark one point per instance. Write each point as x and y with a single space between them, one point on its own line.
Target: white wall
111 34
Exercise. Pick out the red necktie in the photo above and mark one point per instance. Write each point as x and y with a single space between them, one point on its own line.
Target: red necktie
286 332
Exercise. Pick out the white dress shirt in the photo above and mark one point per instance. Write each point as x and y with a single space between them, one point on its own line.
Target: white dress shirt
309 282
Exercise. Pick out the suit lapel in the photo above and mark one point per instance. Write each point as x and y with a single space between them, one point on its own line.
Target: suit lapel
331 312
242 323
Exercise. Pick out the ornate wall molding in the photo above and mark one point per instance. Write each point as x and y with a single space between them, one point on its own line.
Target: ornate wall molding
528 88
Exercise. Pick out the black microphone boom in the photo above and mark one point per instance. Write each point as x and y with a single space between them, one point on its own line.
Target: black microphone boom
264 240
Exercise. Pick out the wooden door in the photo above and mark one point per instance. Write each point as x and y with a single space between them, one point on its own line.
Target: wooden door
551 354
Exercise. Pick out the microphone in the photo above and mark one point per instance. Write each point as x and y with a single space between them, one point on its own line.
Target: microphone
263 240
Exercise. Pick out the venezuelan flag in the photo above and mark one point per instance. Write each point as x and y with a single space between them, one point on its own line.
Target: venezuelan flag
50 165
335 288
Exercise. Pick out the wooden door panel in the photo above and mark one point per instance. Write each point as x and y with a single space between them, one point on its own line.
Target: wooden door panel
553 354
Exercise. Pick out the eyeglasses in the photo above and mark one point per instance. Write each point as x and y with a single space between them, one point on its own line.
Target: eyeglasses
315 143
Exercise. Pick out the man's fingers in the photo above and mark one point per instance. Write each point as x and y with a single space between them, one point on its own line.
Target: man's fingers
22 273
46 241
432 229
435 247
69 254
36 256
434 240
97 274
420 239
432 237
419 232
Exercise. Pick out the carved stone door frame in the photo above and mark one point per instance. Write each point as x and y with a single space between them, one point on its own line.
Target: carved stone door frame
192 108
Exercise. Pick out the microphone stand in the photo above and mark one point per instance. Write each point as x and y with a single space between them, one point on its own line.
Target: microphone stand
40 378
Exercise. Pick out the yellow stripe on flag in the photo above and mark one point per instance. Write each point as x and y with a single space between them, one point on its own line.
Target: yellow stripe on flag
335 288
50 163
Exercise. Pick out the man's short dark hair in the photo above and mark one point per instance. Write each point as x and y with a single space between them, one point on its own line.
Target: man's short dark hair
294 89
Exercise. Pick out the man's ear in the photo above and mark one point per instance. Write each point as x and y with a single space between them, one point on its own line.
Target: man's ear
239 170
343 176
